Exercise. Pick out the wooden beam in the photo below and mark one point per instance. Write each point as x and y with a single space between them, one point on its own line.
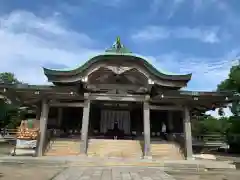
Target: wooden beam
117 97
120 87
71 104
173 108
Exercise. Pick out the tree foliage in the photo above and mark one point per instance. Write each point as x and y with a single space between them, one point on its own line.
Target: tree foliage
232 83
210 125
8 78
9 112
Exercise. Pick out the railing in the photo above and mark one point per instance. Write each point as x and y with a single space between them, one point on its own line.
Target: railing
179 139
8 134
234 137
49 140
210 138
203 138
7 141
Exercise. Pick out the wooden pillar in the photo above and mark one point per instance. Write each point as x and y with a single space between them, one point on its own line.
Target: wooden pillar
188 134
170 125
59 116
43 126
170 121
38 112
146 124
85 123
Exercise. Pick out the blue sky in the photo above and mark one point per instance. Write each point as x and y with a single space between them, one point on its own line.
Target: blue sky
180 36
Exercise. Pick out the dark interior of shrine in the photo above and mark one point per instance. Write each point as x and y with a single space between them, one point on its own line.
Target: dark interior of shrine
72 120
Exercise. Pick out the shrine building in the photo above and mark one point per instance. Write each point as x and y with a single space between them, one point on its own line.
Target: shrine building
115 88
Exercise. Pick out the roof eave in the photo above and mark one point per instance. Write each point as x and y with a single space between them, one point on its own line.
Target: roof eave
76 71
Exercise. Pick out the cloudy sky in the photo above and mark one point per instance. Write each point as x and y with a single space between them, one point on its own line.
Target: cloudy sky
180 36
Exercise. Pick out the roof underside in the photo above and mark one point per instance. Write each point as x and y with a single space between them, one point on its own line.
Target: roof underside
28 95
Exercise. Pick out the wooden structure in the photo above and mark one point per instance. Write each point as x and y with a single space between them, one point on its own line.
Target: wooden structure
117 80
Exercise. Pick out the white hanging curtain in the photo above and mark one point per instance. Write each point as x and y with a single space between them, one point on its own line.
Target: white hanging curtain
108 117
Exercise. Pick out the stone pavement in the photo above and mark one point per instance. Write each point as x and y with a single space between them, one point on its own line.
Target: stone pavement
120 173
81 173
36 172
22 172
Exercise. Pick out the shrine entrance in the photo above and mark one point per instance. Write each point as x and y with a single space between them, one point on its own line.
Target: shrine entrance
111 120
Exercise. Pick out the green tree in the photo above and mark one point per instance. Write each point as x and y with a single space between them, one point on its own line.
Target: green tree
233 80
232 83
210 125
9 112
8 78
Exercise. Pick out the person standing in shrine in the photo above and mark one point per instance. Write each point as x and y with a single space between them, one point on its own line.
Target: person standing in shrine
164 129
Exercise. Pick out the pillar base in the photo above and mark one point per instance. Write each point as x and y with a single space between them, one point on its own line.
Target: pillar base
147 157
83 155
190 158
83 147
170 137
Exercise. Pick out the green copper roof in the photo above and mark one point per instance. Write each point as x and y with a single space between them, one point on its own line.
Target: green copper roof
115 51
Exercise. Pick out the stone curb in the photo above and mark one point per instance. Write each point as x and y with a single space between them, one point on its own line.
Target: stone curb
177 165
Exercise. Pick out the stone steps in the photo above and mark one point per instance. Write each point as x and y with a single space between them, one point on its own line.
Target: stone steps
166 151
64 147
114 148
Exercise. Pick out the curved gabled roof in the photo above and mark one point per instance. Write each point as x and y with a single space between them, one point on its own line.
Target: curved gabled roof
107 56
116 51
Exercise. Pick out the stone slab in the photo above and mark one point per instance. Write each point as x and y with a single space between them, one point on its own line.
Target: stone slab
123 173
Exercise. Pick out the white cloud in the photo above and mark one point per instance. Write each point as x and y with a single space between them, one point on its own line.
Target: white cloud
170 6
174 7
28 42
110 3
229 14
207 73
154 33
155 5
221 5
227 113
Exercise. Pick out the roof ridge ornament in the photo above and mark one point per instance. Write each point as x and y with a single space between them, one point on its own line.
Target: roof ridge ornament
118 47
117 44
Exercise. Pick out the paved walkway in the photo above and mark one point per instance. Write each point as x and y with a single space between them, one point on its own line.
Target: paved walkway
36 172
197 165
120 173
